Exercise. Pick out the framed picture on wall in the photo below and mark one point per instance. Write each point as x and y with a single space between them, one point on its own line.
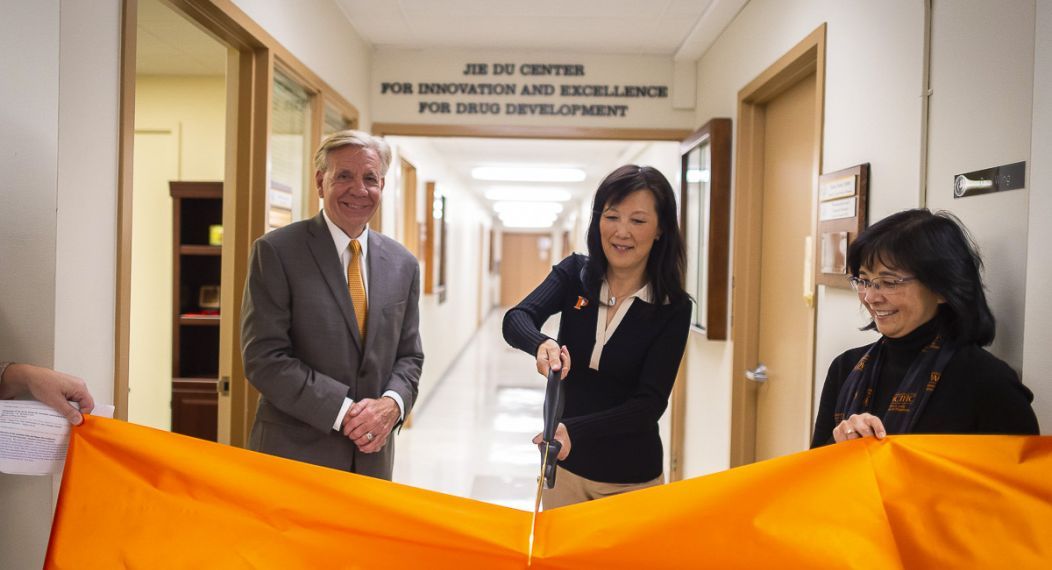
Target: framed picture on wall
705 222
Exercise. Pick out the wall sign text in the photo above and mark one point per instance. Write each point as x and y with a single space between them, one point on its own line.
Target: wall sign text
530 84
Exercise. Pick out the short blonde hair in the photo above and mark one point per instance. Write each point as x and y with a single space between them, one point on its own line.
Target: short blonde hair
358 139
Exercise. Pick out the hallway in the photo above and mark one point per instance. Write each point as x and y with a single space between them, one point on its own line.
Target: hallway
472 437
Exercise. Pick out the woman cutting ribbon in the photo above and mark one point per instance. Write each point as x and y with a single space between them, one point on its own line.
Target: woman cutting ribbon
624 316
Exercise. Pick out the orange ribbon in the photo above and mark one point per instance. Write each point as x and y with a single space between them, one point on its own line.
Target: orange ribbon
140 498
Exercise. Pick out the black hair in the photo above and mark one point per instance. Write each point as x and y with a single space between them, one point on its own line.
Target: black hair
665 265
937 250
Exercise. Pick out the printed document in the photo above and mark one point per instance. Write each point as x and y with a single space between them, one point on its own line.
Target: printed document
34 437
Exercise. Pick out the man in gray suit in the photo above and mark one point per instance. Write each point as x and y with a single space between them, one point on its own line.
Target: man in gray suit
329 333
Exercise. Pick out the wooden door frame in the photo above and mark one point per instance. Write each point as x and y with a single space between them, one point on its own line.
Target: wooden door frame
802 60
678 423
408 206
428 248
250 67
252 56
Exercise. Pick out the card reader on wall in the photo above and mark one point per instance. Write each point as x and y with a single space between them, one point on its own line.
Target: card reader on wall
996 179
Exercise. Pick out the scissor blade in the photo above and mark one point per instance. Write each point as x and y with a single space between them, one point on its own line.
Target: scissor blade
537 503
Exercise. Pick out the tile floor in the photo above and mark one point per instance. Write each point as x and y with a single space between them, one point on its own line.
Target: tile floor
471 438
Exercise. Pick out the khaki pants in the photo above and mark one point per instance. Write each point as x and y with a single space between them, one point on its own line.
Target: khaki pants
571 488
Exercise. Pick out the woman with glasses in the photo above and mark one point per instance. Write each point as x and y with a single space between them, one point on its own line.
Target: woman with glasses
918 276
624 319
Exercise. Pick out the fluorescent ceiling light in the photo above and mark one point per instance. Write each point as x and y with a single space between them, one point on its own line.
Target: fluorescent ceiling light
694 176
550 217
518 220
527 208
528 173
524 224
528 193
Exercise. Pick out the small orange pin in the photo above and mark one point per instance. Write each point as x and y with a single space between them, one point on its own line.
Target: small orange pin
581 302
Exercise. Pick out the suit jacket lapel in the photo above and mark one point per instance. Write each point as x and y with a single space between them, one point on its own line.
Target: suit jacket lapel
378 283
319 241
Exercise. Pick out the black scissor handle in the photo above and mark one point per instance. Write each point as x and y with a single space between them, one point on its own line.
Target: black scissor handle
553 414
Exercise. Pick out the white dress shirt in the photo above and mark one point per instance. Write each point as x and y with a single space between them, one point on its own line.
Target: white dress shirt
343 242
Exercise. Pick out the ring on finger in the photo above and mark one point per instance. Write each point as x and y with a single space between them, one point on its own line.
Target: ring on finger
849 431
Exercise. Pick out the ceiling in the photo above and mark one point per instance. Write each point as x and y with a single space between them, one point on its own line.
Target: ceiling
168 44
596 157
653 27
680 29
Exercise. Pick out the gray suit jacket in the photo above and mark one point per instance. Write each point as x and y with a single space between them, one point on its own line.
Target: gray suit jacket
301 345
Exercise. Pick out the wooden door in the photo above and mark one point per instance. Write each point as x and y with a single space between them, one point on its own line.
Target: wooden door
410 224
524 264
783 402
773 321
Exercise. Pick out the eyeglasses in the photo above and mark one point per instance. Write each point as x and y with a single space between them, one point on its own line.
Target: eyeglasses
885 286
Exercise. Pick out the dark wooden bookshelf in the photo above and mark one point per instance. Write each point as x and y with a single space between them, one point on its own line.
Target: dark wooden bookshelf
196 263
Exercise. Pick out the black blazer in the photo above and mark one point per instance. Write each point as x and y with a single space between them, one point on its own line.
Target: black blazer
611 414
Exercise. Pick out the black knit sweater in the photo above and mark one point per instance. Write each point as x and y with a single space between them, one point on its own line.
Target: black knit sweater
978 393
611 414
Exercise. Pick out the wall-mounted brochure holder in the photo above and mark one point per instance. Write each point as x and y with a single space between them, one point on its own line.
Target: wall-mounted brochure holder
842 201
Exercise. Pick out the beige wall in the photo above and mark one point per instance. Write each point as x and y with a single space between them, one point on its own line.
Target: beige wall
196 106
319 35
180 134
59 153
27 296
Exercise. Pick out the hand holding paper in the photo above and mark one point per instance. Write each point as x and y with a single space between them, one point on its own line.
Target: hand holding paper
56 389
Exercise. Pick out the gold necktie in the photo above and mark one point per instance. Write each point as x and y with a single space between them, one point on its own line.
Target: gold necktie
356 287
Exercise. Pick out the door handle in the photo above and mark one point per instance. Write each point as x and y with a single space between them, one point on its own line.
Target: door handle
758 374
